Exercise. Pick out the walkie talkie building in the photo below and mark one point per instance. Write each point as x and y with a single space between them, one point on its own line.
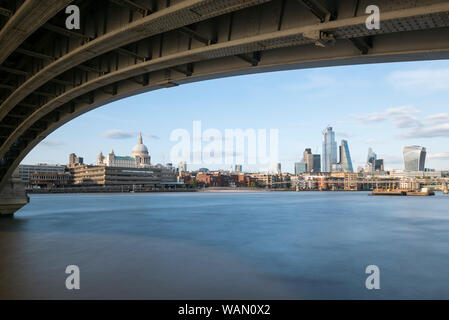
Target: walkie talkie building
414 158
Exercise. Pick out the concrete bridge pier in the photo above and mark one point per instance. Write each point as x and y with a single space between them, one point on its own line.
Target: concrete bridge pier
13 196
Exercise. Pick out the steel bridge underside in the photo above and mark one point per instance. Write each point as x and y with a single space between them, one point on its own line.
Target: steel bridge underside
50 75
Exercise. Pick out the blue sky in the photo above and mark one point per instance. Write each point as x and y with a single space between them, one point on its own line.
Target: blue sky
383 106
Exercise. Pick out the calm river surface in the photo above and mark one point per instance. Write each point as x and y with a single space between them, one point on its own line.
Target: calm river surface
266 245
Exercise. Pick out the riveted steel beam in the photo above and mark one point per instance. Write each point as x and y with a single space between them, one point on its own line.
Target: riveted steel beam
320 11
31 15
181 14
34 54
132 5
5 12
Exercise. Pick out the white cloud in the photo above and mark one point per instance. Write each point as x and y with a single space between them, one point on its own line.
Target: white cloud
402 117
117 134
151 136
420 80
440 156
429 132
50 143
344 135
371 118
438 118
406 122
402 111
407 117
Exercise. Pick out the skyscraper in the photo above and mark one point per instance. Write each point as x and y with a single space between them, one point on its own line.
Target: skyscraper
379 165
300 167
414 158
345 157
308 159
329 149
372 157
372 163
316 163
313 161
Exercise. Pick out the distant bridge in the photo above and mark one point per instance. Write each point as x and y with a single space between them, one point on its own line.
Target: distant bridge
50 75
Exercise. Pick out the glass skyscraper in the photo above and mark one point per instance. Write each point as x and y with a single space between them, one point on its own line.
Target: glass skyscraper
329 149
414 158
300 167
345 157
372 156
372 163
316 163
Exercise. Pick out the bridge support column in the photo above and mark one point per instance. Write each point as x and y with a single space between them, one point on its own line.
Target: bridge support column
13 196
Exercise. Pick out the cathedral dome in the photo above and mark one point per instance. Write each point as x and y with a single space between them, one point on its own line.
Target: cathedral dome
140 152
140 148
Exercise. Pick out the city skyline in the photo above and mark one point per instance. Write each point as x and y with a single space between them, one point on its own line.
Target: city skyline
386 123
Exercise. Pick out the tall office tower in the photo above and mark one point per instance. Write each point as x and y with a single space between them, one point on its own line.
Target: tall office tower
300 167
306 152
345 157
308 159
329 149
313 161
414 158
372 157
379 165
316 163
371 161
238 168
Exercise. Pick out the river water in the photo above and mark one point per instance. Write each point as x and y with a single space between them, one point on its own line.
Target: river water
265 245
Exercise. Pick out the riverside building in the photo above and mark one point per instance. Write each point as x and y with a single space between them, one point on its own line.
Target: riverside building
25 170
131 171
140 157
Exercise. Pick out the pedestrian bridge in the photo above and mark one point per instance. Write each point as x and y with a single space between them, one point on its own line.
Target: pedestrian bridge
50 74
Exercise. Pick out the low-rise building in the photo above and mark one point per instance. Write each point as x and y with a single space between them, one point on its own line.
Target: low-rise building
151 176
50 180
416 174
26 170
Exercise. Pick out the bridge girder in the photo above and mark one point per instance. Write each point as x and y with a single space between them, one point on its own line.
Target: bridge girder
194 40
31 15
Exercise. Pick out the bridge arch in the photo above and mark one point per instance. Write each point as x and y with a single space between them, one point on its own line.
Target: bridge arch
196 40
